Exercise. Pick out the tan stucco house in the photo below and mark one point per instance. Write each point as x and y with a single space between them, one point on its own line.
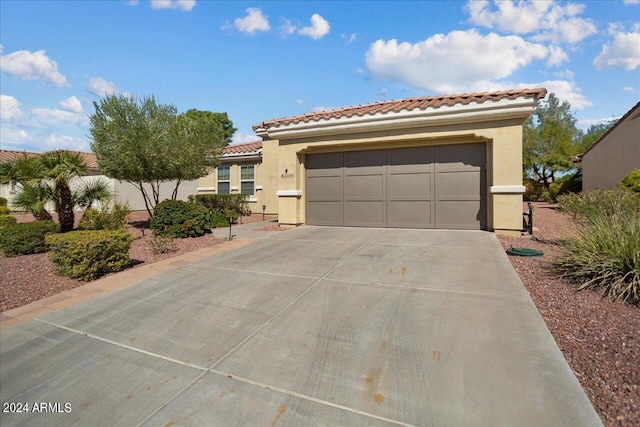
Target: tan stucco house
614 155
452 162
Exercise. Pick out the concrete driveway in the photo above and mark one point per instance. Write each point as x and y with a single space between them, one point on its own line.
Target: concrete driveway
313 326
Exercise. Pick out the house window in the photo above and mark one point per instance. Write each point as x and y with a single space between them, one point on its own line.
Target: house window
224 184
12 186
247 182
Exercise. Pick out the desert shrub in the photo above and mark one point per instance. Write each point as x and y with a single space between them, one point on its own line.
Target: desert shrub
89 254
533 190
593 204
26 238
604 255
631 181
161 244
550 195
3 201
220 202
7 220
175 218
108 217
5 210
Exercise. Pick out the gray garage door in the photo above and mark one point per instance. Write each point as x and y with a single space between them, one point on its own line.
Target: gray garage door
418 187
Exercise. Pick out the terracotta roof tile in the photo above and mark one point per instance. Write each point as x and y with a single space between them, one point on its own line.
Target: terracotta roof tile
248 147
406 104
10 155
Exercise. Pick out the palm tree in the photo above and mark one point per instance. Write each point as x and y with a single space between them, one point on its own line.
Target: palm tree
48 178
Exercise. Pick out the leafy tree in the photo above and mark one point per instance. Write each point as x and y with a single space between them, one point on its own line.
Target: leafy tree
550 139
48 178
594 133
143 142
221 118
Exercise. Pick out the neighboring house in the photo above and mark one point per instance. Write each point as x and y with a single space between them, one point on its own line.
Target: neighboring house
614 155
452 162
241 172
123 191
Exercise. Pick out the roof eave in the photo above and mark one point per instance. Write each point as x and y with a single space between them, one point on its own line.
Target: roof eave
504 109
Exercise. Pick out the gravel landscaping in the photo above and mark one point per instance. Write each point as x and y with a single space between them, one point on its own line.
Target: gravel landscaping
598 337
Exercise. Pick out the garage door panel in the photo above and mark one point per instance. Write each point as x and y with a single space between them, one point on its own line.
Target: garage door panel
324 188
459 184
410 214
364 161
324 163
413 159
460 214
364 213
363 187
461 156
324 213
409 186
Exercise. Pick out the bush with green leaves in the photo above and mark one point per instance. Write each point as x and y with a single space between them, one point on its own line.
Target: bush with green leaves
221 217
631 181
5 210
26 238
604 251
3 201
175 218
7 220
108 217
89 254
220 202
533 190
162 244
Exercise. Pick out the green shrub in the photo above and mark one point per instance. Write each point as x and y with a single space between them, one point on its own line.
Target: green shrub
604 255
175 218
108 217
5 210
89 254
593 204
3 201
533 190
220 202
7 220
221 217
26 238
631 181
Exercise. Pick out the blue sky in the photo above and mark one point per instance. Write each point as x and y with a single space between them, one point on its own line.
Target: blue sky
262 60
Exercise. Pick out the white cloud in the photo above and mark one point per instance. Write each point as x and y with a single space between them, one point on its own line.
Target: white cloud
133 2
564 90
546 20
299 102
242 138
32 66
458 61
319 27
287 28
71 104
100 87
350 39
383 92
53 141
50 117
10 111
631 1
587 123
254 21
319 109
556 56
12 137
623 51
183 5
629 89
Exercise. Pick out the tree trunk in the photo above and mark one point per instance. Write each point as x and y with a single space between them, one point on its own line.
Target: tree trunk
65 209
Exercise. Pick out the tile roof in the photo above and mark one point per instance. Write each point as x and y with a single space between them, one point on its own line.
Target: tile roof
10 155
406 104
249 147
